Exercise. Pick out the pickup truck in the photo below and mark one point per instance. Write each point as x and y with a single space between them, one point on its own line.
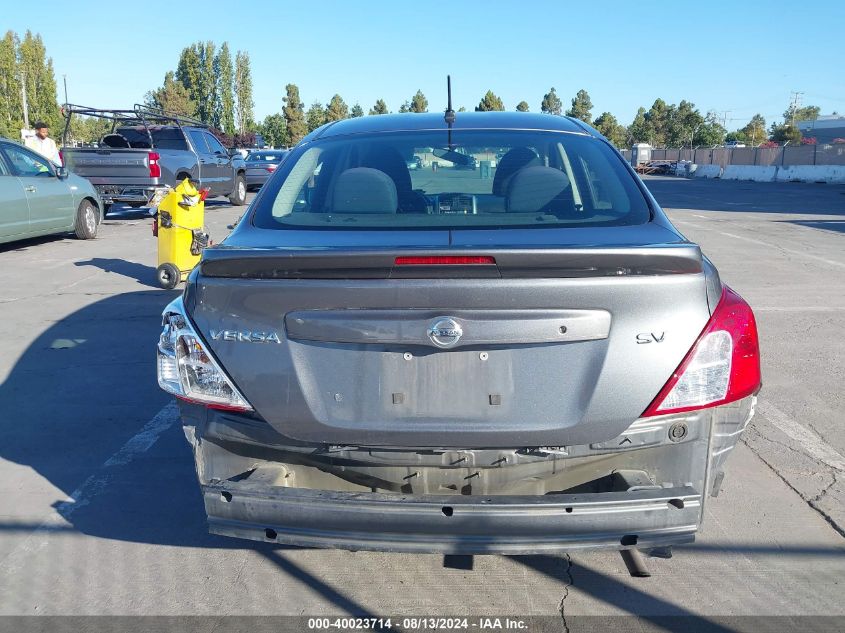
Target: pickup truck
149 149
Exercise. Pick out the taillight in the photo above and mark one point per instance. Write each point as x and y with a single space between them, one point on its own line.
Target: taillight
271 168
447 260
155 168
62 156
187 369
723 366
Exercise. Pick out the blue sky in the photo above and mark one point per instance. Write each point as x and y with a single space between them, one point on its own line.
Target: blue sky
745 57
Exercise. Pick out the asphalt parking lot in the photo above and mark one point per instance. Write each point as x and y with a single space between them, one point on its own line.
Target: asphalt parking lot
100 511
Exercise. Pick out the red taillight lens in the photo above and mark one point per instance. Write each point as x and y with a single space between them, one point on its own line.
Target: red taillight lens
62 157
271 168
439 260
723 366
155 168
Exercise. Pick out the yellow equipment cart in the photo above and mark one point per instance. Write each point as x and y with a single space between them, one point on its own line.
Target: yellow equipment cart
181 234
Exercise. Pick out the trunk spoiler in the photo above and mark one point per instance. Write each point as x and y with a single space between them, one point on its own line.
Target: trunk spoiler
292 263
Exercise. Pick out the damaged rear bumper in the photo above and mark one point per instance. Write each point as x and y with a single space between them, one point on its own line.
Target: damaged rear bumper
646 488
453 524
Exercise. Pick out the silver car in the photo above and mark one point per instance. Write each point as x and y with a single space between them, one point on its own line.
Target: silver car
38 198
527 360
261 164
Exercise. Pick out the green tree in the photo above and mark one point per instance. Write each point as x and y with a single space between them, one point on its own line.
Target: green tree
755 131
336 109
610 128
551 103
490 102
785 133
188 70
316 116
380 107
243 92
273 130
294 114
682 124
208 83
88 129
522 106
710 132
657 123
581 107
356 111
462 109
405 107
638 130
172 97
37 69
224 107
11 110
419 103
806 113
196 72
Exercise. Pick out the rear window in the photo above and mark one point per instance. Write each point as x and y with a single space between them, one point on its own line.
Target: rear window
482 179
164 138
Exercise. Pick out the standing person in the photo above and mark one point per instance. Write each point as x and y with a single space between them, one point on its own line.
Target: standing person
43 144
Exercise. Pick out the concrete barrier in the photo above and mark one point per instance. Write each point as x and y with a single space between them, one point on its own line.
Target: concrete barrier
757 173
811 173
708 171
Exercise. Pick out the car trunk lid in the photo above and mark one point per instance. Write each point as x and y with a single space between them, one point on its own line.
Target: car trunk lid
541 348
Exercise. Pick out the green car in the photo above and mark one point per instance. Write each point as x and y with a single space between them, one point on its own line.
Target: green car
38 198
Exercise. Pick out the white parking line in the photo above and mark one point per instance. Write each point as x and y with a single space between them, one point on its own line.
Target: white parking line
777 247
815 446
91 487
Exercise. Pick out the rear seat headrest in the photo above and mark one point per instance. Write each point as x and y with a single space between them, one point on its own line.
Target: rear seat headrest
364 190
539 189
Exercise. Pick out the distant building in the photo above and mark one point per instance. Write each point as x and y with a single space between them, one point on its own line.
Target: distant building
824 129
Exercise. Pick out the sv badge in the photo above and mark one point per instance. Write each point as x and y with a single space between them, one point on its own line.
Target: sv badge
650 337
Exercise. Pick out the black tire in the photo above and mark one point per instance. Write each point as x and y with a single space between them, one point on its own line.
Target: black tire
106 209
238 197
168 276
87 220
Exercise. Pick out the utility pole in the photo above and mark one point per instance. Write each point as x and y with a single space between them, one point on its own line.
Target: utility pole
23 99
794 104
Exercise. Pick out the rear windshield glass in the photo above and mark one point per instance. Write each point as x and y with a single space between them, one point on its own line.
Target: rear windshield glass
164 138
266 157
482 179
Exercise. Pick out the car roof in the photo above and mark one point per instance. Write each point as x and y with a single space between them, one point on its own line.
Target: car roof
463 121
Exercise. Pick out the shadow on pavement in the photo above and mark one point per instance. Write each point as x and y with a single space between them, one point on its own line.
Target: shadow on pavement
739 196
22 246
834 226
145 275
75 396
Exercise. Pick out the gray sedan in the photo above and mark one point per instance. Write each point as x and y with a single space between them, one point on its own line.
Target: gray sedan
261 165
380 358
38 198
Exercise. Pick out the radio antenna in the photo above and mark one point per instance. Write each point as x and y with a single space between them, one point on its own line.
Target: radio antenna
449 116
450 113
